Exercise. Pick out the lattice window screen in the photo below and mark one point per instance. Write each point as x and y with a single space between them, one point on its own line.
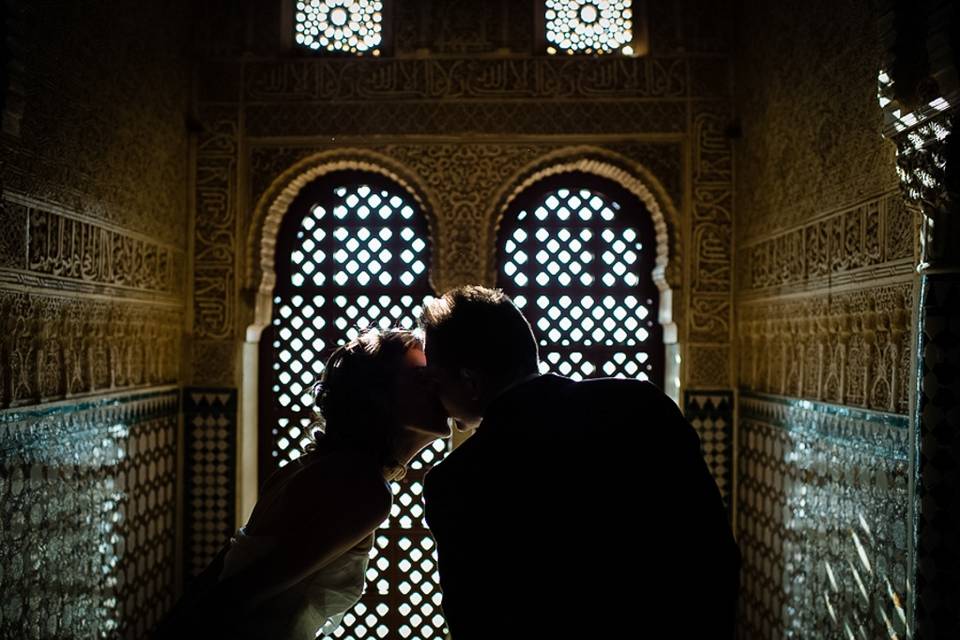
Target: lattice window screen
576 254
353 252
339 26
589 26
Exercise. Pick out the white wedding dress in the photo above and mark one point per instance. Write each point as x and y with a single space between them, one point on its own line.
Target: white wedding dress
311 608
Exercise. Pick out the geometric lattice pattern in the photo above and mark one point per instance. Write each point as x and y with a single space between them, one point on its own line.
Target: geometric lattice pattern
581 275
589 26
359 260
210 418
88 517
357 257
350 26
823 521
711 414
402 598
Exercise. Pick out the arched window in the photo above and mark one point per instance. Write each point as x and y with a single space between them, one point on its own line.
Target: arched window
576 253
352 252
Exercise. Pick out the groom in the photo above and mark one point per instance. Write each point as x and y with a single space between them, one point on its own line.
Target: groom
576 509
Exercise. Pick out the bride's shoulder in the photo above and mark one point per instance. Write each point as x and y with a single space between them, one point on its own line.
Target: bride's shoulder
356 474
340 459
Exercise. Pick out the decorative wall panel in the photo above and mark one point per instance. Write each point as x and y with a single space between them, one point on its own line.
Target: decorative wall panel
872 240
93 257
210 464
87 516
441 26
52 249
663 159
464 79
465 181
710 262
850 348
214 258
13 234
825 302
808 108
60 347
706 364
544 117
71 248
711 414
101 125
824 521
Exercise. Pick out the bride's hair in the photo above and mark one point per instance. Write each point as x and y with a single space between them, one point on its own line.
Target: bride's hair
354 396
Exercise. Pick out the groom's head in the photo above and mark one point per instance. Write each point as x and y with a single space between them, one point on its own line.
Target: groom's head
478 343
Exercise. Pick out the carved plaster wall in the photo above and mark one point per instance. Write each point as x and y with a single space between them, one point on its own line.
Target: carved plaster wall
93 250
826 254
808 109
452 125
93 245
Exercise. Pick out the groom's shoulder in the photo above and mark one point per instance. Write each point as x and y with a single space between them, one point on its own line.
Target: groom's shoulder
621 389
556 391
619 399
435 479
441 473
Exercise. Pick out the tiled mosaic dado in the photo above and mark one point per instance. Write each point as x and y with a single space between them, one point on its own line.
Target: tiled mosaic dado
823 520
210 422
88 516
711 414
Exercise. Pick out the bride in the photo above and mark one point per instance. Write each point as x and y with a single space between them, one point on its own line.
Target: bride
299 562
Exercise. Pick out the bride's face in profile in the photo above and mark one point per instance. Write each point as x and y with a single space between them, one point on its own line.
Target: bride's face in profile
417 404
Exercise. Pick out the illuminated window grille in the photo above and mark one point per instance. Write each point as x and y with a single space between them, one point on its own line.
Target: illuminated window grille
353 253
347 26
576 254
589 26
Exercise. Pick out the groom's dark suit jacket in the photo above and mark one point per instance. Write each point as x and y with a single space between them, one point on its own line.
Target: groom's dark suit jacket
580 510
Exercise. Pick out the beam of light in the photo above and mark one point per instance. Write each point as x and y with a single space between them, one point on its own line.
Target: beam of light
856 576
833 614
890 630
861 552
865 526
833 579
897 604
